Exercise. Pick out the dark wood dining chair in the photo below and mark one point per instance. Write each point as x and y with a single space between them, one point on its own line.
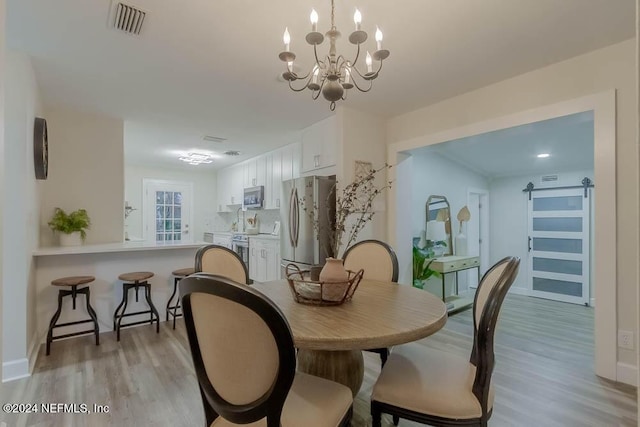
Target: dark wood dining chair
379 262
221 261
439 388
245 362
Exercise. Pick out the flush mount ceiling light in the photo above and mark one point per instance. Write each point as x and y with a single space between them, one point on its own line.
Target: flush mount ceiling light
543 155
197 158
334 75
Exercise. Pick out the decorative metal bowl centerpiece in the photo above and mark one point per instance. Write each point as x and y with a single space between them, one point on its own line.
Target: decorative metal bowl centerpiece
317 292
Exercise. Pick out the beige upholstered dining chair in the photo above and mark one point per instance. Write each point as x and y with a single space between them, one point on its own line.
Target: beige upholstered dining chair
377 258
245 362
379 262
221 261
441 389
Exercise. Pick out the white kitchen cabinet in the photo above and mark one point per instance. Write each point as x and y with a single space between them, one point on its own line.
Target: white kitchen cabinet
264 259
254 172
229 188
223 192
236 189
290 161
273 183
319 143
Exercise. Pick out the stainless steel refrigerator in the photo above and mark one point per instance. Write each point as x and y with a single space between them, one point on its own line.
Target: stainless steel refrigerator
300 243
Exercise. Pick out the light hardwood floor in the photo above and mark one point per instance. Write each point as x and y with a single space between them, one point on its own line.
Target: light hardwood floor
543 376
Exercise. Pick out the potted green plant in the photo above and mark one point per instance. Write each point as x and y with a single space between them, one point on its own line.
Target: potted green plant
72 227
421 268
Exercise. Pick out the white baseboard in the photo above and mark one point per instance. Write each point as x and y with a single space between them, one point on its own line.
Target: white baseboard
15 369
627 374
513 290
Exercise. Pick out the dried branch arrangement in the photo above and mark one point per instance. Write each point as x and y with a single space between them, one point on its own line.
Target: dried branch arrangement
353 204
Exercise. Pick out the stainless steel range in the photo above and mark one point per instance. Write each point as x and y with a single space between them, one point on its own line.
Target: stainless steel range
240 245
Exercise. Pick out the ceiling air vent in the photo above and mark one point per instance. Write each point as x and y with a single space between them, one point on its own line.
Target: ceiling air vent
231 153
213 138
128 18
548 178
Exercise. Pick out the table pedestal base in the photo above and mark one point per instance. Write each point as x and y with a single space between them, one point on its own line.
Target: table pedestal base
344 367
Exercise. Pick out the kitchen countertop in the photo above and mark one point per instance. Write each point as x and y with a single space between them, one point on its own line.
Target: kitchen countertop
115 247
266 236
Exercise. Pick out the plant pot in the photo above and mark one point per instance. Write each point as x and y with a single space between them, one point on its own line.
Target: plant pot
71 239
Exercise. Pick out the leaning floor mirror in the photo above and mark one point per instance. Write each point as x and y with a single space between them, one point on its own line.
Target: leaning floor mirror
438 225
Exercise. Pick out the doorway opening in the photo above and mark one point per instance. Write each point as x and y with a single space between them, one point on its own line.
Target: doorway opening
602 108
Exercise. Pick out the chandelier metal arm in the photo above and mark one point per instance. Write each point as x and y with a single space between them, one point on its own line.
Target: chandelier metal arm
315 53
317 93
303 87
355 83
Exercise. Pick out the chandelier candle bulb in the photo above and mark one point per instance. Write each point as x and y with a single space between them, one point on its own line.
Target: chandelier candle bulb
287 39
379 38
357 18
314 20
369 63
315 75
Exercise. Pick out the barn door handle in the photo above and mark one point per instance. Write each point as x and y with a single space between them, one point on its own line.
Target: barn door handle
529 244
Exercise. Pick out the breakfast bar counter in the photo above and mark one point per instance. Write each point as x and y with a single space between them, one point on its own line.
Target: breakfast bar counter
106 262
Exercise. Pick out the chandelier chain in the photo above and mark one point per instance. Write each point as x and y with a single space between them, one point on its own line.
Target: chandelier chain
333 19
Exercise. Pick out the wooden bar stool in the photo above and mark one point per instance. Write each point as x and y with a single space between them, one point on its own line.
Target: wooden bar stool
73 282
172 310
135 280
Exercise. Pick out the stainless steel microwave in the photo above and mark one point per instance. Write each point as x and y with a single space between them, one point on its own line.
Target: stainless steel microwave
253 197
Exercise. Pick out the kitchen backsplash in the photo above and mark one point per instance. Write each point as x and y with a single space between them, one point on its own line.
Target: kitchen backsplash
266 218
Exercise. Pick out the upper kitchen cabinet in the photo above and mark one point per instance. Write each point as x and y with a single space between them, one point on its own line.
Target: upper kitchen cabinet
319 145
290 161
273 185
255 172
229 187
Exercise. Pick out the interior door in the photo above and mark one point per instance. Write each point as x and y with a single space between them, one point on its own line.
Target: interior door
559 245
167 211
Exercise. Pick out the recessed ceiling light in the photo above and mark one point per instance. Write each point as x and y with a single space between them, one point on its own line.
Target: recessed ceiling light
543 155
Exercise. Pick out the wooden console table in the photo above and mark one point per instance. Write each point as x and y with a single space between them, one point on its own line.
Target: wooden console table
454 264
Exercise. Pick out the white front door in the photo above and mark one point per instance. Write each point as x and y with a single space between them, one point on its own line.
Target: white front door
559 245
167 211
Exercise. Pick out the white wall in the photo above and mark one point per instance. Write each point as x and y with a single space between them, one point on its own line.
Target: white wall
434 174
2 157
20 223
604 69
509 229
204 196
86 170
362 138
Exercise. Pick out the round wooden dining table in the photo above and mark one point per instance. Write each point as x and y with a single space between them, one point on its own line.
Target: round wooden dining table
330 339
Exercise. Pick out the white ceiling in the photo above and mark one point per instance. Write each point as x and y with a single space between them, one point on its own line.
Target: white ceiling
513 151
210 67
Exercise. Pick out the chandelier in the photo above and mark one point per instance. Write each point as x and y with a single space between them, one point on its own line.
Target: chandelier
334 75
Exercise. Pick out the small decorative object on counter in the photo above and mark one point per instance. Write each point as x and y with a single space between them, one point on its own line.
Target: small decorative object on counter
320 292
252 228
71 227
